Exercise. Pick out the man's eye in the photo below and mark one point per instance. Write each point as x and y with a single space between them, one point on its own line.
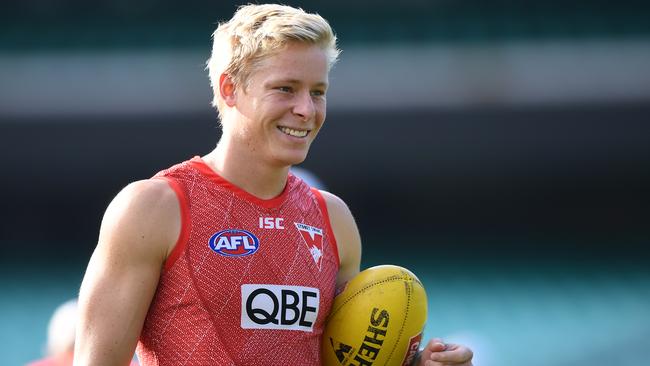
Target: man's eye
317 93
285 89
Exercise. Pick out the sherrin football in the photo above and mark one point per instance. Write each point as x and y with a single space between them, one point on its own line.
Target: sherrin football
378 319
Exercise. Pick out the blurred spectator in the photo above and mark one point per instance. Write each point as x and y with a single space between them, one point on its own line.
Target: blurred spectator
310 178
60 336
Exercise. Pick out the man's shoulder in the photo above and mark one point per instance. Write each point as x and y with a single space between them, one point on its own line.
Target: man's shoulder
335 205
340 217
347 237
143 218
149 203
191 166
148 192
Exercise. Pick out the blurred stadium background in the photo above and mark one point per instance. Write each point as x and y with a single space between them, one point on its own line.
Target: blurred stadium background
501 150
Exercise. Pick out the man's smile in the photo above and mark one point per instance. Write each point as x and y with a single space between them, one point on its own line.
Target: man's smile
293 132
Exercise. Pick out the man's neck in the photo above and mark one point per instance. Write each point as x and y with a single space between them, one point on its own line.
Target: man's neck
247 172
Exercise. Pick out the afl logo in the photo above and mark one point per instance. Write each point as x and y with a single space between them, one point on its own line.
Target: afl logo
234 243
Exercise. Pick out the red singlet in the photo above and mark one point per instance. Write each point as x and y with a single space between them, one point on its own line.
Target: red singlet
250 281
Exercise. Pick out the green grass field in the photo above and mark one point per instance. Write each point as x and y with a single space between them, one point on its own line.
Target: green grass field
511 314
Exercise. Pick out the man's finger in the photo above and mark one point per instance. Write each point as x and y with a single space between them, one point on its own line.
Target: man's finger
436 345
454 353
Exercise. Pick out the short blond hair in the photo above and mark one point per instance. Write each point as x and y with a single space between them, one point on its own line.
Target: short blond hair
256 32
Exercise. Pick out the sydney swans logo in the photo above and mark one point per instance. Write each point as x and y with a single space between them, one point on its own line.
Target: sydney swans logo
313 238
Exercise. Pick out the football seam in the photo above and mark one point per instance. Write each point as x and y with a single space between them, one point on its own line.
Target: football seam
408 303
365 288
409 293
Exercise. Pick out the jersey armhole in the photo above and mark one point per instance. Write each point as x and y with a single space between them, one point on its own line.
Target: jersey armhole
181 243
328 225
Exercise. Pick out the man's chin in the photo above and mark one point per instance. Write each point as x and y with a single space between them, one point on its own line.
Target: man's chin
291 159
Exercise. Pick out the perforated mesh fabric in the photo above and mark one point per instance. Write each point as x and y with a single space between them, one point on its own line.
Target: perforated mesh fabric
195 316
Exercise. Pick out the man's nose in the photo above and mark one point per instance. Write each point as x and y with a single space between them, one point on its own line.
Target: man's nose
304 106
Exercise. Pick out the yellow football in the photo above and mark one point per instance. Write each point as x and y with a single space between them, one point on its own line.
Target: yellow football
378 319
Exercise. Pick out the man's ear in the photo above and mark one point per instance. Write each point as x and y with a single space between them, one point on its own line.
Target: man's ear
227 89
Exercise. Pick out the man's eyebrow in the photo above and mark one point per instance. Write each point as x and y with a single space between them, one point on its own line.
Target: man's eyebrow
296 81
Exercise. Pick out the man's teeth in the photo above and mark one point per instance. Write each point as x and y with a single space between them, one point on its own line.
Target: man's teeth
292 132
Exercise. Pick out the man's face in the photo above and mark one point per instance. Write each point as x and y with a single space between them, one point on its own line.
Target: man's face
283 107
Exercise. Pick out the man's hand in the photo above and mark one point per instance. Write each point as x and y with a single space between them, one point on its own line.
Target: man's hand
437 353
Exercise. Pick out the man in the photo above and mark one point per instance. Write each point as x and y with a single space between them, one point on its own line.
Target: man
228 259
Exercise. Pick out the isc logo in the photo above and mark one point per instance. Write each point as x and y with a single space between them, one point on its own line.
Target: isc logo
279 307
234 243
271 223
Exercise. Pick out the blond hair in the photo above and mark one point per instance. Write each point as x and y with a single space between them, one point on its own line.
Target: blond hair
256 32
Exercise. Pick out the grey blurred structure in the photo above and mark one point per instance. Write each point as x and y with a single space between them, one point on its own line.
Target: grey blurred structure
471 119
510 141
547 73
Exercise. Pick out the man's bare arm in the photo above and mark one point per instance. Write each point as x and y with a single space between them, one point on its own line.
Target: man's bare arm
139 229
347 237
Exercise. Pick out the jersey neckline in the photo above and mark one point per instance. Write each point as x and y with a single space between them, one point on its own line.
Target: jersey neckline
198 163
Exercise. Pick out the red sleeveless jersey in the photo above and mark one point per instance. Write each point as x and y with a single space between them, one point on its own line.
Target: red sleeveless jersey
250 281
